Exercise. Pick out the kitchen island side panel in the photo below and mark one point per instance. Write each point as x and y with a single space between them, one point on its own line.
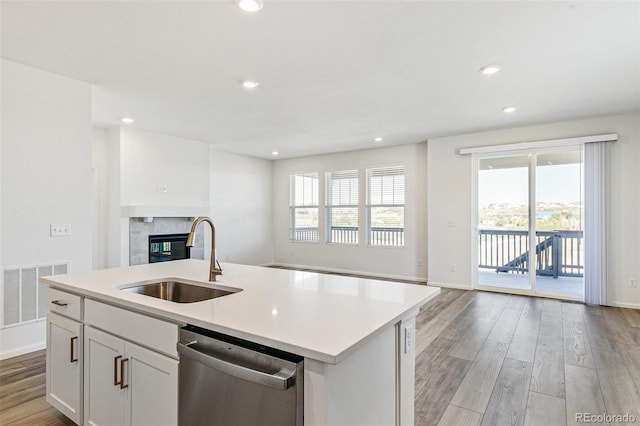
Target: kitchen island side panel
360 390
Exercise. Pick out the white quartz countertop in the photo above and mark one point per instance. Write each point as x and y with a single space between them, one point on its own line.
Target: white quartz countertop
318 316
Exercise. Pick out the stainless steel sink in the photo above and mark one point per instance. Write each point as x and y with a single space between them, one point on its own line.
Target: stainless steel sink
179 291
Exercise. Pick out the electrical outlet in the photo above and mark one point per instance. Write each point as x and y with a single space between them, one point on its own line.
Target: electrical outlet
409 339
451 223
419 262
633 282
60 229
452 267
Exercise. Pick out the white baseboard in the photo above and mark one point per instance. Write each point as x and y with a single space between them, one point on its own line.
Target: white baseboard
626 305
346 271
23 350
22 338
447 285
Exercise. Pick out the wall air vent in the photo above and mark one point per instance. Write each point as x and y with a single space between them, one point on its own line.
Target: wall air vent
24 299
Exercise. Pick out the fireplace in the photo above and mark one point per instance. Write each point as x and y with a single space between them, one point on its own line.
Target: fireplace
140 232
167 247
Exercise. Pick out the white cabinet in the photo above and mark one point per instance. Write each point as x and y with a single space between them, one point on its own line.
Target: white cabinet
104 400
100 377
65 365
153 388
126 384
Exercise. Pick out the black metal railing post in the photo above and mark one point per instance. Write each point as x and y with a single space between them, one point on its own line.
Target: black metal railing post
556 248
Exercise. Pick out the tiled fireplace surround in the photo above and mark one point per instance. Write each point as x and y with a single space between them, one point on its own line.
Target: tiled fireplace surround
139 232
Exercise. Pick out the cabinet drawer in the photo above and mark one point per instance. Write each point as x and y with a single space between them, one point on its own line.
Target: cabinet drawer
153 333
63 303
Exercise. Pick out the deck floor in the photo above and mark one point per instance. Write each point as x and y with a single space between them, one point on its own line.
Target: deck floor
569 286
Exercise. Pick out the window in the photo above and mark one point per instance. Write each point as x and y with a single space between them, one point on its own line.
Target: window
304 207
342 207
385 206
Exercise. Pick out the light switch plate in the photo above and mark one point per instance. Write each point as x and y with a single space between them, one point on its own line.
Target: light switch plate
60 229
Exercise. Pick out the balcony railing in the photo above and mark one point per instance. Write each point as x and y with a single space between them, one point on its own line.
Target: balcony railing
305 234
393 237
344 234
558 253
349 235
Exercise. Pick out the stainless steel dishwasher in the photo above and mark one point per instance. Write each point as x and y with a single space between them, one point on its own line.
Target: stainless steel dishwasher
228 381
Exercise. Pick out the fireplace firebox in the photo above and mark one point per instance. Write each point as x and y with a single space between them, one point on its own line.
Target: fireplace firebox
167 247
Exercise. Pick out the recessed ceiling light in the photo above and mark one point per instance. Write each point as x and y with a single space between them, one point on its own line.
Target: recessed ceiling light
509 109
249 84
275 153
378 139
490 69
250 5
127 120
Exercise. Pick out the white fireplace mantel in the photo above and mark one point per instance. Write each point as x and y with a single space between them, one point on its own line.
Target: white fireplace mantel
164 211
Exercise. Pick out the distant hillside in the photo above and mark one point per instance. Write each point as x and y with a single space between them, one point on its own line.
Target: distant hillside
549 217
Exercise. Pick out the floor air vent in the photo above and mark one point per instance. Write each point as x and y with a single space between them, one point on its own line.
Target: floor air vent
23 298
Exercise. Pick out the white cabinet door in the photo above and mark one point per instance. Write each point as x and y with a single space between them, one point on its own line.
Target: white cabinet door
153 388
126 384
103 396
64 365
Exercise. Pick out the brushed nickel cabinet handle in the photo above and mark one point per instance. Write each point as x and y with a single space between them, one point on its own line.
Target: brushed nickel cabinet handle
59 303
122 367
116 382
71 357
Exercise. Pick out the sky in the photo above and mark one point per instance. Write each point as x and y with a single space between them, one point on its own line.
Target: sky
554 184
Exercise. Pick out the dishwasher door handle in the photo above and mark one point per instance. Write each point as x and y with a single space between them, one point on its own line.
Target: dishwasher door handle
283 379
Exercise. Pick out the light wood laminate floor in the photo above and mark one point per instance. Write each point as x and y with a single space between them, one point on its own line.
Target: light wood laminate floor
22 393
481 359
497 359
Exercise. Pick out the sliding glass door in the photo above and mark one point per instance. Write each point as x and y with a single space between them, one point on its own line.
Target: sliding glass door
503 222
529 217
559 223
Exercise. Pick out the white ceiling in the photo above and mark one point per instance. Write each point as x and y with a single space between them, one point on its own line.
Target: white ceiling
334 74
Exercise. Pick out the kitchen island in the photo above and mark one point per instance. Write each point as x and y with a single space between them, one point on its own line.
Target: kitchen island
357 336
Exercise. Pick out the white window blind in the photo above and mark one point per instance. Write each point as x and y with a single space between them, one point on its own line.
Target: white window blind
342 206
385 206
304 207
